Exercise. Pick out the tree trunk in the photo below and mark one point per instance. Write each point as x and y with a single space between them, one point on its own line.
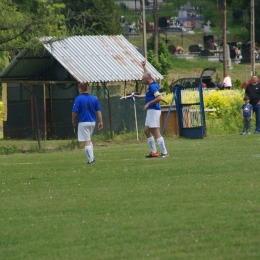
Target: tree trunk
144 30
225 60
252 37
156 33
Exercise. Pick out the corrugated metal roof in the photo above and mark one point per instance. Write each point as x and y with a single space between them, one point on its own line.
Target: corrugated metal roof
86 58
99 58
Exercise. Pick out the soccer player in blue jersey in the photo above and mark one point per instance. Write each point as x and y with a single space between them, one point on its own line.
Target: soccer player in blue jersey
85 109
152 121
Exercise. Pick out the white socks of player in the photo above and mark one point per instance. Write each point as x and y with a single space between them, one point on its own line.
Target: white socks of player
161 144
89 152
151 143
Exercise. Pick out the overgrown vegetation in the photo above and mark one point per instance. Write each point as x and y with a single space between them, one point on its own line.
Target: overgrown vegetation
163 64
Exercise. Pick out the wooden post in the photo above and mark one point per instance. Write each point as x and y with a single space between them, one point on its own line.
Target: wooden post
44 112
144 29
224 38
252 37
156 35
32 111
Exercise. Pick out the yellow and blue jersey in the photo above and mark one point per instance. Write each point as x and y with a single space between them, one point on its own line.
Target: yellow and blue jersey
151 93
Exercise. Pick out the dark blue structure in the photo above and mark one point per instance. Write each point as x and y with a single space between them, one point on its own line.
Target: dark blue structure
191 116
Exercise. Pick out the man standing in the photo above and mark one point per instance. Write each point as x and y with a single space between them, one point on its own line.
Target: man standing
152 122
253 92
84 111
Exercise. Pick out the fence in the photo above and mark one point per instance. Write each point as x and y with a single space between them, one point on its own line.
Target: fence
21 122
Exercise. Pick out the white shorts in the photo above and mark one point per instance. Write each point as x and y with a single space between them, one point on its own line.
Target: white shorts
85 131
153 118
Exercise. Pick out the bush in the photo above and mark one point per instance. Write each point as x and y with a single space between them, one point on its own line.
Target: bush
164 63
166 86
227 118
228 104
154 61
237 84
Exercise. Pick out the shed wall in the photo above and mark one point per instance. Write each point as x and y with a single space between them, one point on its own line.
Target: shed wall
22 120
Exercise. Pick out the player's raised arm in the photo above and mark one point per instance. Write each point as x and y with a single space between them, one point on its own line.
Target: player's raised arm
143 63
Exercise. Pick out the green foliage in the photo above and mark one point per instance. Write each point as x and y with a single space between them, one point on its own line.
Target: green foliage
236 84
164 63
166 85
93 17
72 144
4 59
151 58
20 23
227 118
217 79
6 150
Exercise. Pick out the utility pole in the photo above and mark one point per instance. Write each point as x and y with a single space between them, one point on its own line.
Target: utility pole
252 37
135 16
224 39
156 35
144 29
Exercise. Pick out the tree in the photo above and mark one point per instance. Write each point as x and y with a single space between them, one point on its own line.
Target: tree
93 17
21 24
156 31
163 63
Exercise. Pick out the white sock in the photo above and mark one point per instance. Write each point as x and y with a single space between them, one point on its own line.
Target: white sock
92 150
160 142
89 152
152 144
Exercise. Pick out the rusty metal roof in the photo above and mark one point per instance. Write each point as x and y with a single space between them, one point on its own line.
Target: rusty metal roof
99 58
85 58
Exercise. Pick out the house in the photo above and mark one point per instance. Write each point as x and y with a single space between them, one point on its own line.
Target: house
39 85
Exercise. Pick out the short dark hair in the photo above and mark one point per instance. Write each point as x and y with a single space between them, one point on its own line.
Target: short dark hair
83 86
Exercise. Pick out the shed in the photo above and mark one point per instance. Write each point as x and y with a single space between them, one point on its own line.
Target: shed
40 84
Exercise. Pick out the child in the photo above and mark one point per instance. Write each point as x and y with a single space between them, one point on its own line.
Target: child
247 112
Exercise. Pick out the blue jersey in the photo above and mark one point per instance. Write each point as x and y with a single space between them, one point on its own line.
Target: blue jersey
86 106
247 108
151 93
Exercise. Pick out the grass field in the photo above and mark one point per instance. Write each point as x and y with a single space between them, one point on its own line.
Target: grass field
202 203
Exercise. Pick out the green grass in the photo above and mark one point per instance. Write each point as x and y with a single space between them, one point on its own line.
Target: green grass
202 203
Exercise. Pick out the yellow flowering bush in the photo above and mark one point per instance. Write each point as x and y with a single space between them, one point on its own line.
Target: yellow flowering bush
167 98
225 100
227 103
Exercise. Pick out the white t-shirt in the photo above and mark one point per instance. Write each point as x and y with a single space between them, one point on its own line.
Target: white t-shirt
227 82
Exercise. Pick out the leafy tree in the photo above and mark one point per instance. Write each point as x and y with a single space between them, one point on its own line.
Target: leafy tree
164 62
93 17
22 21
